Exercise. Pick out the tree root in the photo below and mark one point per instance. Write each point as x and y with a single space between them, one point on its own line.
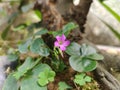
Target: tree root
108 81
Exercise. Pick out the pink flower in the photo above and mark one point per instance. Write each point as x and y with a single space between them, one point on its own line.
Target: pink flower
61 42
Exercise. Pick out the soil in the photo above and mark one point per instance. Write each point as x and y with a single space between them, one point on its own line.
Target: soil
68 76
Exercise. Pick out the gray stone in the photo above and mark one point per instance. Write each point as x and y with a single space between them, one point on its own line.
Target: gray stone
3 62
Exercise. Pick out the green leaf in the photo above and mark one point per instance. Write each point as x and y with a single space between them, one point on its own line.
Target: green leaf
81 64
56 33
112 12
63 86
79 79
39 47
41 32
19 27
73 49
38 13
87 50
115 32
68 27
95 57
10 83
89 65
45 77
5 32
10 21
82 78
58 65
30 82
88 79
27 65
12 57
40 68
23 48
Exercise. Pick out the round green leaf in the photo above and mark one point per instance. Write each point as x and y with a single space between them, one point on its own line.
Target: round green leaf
81 64
68 27
95 57
30 82
12 57
41 32
89 65
46 77
23 48
38 46
87 50
73 49
10 83
75 63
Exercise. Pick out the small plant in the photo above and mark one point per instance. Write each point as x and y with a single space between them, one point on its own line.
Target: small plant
35 73
45 77
63 86
81 79
83 58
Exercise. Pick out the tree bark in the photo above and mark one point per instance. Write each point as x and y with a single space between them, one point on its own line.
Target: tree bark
107 80
80 13
57 12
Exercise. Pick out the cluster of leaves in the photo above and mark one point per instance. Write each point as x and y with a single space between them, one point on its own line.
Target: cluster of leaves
35 74
83 58
81 79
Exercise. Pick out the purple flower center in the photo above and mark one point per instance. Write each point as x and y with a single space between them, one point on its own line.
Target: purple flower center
61 42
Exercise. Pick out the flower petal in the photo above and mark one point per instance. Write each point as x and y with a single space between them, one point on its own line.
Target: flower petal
59 38
62 47
66 43
56 44
63 37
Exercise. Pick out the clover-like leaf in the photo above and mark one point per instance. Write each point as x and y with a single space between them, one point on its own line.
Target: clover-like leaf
23 48
81 79
45 77
12 57
63 86
87 50
65 30
39 47
41 32
87 79
24 68
95 57
30 82
57 33
68 27
10 83
73 49
82 64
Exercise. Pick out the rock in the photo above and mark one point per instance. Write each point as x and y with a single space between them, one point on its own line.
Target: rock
3 62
